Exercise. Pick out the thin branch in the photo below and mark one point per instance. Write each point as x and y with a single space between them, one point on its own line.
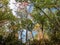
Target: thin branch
43 12
56 8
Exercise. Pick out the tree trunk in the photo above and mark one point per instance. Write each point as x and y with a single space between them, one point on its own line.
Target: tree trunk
21 37
26 37
43 42
32 35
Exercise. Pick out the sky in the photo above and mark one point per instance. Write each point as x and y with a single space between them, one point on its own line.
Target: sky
14 6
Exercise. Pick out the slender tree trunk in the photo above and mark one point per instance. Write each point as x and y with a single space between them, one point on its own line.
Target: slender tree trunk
26 36
32 35
43 33
42 26
21 37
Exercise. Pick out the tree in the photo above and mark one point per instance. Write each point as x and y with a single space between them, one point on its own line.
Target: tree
6 18
43 14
